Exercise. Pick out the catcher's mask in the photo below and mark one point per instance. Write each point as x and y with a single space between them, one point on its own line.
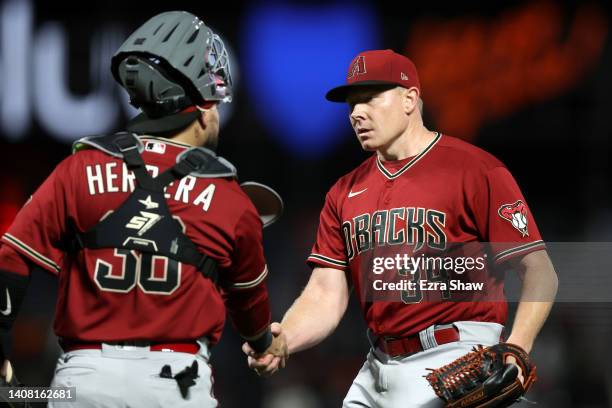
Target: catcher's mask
172 62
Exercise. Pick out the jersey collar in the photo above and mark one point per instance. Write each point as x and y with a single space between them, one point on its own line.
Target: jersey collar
406 166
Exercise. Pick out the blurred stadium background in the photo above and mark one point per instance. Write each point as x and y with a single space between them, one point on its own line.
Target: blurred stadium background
530 81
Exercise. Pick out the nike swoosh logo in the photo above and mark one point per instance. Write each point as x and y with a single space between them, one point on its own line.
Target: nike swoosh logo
7 311
351 194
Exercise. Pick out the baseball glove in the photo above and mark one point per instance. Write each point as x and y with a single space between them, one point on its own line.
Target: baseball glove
482 378
10 381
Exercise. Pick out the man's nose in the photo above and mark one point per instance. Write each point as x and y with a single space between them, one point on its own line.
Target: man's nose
358 113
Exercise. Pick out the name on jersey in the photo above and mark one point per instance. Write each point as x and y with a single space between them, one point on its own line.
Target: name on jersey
411 226
113 178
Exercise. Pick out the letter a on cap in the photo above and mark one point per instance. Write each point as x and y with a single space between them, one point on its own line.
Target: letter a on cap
357 67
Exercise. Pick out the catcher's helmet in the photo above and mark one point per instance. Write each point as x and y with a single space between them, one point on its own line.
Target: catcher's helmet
171 62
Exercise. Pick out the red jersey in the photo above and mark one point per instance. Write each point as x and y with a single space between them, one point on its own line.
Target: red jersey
451 193
116 294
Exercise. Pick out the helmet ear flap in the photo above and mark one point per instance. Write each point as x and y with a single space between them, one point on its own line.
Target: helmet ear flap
150 89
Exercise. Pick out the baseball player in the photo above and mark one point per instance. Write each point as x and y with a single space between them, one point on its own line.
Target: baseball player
149 234
420 191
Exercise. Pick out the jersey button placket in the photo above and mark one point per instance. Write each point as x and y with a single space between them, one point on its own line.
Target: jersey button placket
387 191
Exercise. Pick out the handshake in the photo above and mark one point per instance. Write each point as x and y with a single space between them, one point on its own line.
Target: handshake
274 358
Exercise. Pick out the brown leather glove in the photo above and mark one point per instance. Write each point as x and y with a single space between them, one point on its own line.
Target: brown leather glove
482 378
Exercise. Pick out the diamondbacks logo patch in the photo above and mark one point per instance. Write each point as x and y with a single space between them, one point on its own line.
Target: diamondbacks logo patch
357 67
516 214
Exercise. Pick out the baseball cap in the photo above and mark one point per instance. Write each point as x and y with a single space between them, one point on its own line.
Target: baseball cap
376 67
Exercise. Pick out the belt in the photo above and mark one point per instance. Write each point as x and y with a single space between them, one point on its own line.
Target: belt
424 340
189 347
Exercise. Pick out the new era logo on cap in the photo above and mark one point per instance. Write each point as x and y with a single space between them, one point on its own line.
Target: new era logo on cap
377 67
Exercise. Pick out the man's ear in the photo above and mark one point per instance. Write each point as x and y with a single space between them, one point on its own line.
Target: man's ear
201 118
410 99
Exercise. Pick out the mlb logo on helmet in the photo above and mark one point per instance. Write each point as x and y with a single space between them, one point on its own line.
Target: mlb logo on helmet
377 67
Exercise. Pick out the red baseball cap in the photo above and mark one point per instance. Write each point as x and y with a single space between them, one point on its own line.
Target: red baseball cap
376 67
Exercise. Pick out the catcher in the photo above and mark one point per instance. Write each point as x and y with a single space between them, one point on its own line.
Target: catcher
150 235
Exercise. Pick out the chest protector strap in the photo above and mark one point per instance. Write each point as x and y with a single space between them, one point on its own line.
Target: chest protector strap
144 222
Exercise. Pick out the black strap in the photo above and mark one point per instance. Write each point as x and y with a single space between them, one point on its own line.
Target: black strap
191 162
189 254
111 232
186 253
209 268
132 158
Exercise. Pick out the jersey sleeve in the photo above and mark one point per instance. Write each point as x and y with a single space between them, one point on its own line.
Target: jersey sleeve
329 250
14 281
13 262
38 229
245 294
503 217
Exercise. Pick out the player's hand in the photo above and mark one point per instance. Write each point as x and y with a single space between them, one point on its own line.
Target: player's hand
512 360
271 360
279 343
6 371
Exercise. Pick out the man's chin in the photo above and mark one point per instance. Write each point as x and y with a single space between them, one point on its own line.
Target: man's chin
368 146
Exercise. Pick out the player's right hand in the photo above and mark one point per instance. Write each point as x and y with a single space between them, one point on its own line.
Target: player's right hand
271 360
